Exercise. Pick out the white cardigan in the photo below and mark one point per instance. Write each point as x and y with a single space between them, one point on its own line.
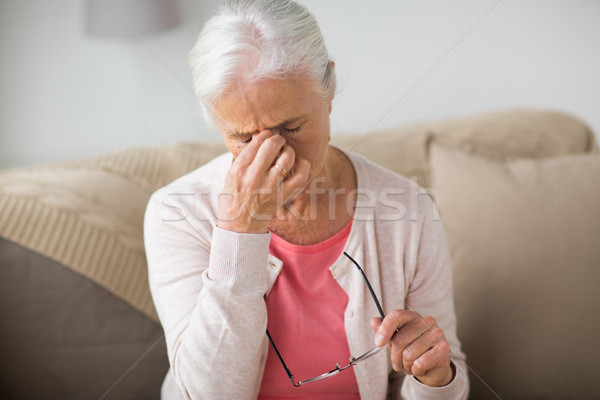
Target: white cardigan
208 284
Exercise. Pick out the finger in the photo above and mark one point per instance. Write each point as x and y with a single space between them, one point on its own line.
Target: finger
285 160
435 361
413 350
266 154
375 322
287 157
393 321
413 333
298 180
248 154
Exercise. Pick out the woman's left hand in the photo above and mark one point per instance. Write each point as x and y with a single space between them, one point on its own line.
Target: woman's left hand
417 345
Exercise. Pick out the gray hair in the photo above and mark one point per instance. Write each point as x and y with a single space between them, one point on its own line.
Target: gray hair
259 39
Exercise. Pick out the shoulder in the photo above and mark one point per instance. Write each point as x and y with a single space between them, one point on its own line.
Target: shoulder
373 176
196 192
208 176
392 197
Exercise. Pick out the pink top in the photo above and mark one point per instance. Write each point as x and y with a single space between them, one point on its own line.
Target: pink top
306 321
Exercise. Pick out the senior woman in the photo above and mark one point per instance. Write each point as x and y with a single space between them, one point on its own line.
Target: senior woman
275 263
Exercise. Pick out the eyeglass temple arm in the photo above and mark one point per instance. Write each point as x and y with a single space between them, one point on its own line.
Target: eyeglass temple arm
368 285
282 362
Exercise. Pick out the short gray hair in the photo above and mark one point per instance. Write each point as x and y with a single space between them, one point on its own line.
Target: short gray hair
262 39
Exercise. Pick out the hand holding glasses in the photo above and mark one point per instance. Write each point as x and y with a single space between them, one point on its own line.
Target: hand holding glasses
428 355
353 360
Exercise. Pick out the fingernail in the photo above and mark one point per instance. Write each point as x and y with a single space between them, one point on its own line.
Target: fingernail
396 367
379 340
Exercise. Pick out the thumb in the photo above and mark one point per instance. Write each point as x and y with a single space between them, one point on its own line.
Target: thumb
375 322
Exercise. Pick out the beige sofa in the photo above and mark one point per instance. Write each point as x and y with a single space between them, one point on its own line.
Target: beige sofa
518 192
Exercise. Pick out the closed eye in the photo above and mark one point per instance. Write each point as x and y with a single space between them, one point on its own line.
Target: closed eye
292 130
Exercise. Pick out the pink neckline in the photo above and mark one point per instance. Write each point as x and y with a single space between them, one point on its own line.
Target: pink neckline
343 234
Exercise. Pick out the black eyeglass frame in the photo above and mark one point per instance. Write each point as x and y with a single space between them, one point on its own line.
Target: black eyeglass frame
353 360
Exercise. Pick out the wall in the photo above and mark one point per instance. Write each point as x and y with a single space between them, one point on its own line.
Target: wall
65 94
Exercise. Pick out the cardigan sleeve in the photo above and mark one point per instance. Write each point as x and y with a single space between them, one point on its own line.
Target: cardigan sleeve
430 294
208 287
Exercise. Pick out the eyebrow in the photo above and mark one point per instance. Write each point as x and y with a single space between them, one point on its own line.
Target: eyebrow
236 134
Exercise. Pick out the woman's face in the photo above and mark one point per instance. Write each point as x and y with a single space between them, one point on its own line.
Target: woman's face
289 107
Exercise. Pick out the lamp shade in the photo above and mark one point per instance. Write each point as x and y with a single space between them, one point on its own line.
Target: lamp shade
122 18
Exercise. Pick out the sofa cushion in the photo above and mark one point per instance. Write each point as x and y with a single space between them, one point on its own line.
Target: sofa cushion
500 135
520 133
524 241
402 151
65 337
88 214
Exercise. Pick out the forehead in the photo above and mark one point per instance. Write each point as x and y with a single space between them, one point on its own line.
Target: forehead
254 106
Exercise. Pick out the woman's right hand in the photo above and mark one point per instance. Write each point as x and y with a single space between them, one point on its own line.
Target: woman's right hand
254 188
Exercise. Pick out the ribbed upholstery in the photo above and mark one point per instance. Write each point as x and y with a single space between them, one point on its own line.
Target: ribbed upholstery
88 214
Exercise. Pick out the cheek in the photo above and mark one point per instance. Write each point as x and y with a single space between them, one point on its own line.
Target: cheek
313 149
234 148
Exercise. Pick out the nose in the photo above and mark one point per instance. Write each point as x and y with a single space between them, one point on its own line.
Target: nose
274 131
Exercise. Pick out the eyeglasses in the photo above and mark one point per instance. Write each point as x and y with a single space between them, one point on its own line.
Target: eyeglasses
353 360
